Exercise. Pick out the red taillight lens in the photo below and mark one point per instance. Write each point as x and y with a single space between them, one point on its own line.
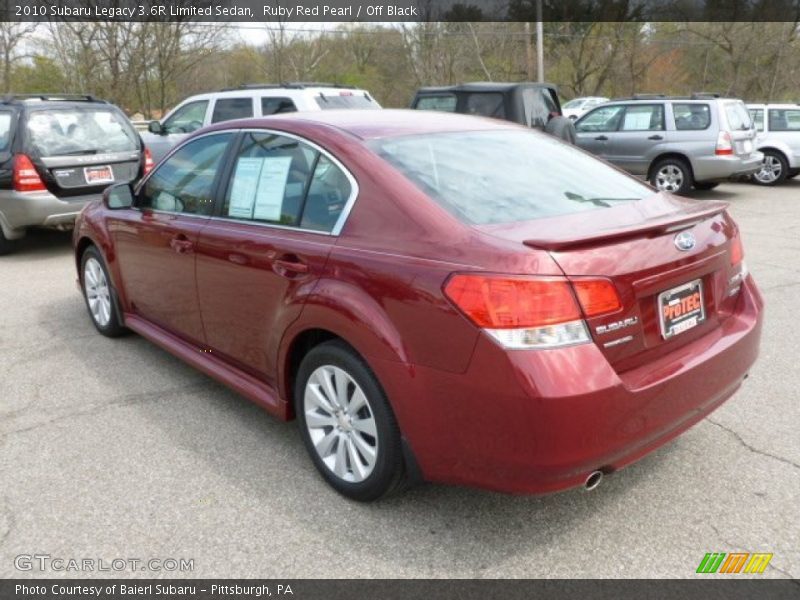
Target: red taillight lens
597 296
724 144
25 178
502 302
737 252
149 163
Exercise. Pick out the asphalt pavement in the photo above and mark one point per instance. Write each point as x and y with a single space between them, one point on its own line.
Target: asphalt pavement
113 449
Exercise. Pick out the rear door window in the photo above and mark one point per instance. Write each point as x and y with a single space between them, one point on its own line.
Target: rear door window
784 119
188 118
643 117
275 106
440 102
79 130
486 105
691 117
601 120
5 130
227 109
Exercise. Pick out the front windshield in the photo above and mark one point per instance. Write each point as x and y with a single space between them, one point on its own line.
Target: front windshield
68 131
487 177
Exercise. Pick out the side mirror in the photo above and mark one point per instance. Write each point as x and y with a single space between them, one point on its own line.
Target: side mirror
156 127
118 196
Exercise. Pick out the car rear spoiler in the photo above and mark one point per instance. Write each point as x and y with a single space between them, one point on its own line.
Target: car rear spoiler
656 225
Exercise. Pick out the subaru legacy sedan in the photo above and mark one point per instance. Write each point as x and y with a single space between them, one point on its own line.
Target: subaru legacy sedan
433 297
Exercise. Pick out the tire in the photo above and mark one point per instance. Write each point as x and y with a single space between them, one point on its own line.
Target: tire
562 128
356 463
6 245
99 294
705 185
672 175
774 171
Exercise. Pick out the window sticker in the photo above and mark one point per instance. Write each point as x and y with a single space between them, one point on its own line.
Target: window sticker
245 185
271 188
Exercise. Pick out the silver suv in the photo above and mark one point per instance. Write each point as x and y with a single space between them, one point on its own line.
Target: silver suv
56 154
675 142
779 139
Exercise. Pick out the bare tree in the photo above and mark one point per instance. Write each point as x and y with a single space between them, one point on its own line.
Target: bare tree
11 35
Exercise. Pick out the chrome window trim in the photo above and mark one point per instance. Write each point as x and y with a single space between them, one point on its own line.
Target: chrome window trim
337 227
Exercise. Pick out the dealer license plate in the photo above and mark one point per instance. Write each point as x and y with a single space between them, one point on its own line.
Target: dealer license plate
98 174
681 308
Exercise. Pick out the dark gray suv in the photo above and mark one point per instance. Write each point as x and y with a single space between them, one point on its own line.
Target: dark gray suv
56 154
675 142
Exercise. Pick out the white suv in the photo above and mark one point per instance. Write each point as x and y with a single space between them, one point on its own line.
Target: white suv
778 137
249 101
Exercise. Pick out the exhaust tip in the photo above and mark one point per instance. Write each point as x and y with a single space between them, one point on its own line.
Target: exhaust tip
593 480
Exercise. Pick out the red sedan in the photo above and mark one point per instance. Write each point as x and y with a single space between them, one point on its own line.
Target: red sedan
432 296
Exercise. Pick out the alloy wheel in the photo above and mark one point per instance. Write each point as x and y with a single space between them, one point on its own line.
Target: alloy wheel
98 294
341 423
770 171
669 178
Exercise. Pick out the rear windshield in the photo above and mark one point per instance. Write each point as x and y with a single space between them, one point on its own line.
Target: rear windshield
5 130
346 100
738 117
487 177
66 131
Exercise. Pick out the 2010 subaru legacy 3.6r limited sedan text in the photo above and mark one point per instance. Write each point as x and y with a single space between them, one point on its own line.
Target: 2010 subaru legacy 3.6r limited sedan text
434 297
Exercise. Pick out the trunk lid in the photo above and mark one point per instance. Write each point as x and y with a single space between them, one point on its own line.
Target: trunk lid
634 245
87 174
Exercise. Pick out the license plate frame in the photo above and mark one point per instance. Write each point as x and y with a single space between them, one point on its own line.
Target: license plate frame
694 315
98 174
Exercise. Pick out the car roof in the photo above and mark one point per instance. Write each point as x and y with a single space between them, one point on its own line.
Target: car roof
774 104
482 86
273 91
372 124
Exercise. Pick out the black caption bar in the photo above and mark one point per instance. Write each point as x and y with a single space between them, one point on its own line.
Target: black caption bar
400 10
399 589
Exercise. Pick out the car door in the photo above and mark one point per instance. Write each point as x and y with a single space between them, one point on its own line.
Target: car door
641 134
784 125
156 239
268 246
594 129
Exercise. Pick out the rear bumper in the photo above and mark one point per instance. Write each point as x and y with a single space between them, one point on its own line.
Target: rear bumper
715 168
542 421
21 210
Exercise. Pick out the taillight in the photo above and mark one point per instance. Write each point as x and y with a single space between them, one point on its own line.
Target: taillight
149 163
526 312
25 178
724 144
739 267
597 296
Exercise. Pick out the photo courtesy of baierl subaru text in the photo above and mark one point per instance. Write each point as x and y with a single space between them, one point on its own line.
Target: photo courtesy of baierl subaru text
407 300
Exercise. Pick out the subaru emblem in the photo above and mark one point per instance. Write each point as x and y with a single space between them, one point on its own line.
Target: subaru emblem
684 241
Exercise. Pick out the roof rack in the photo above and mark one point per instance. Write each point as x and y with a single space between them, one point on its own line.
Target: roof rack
299 85
705 95
52 97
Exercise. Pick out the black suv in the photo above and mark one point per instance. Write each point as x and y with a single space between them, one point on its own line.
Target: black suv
532 104
58 152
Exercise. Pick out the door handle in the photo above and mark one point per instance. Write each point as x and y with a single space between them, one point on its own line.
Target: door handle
656 137
601 138
181 244
289 266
